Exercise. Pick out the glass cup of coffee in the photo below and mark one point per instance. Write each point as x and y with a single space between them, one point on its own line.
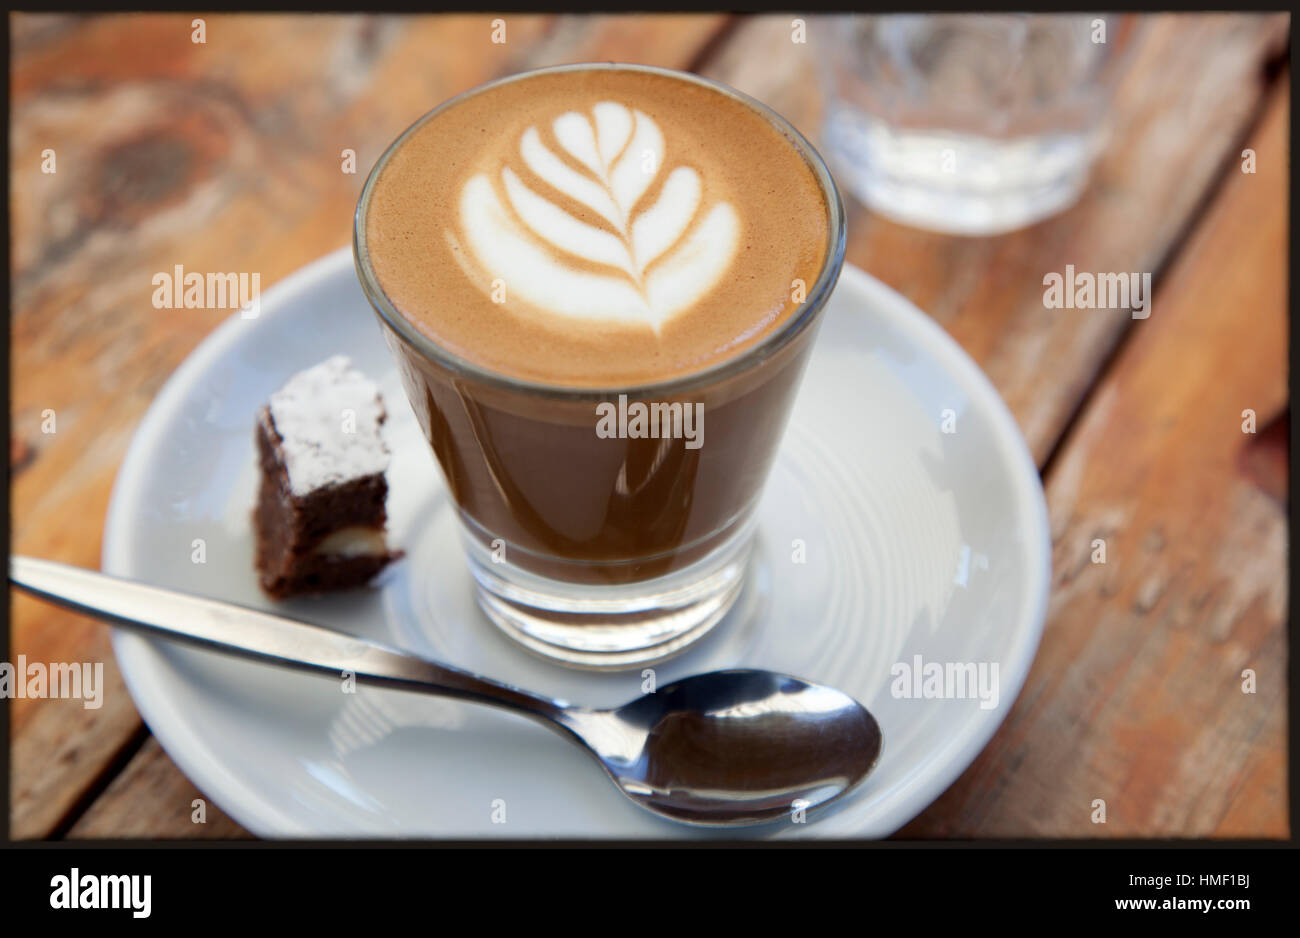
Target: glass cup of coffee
601 284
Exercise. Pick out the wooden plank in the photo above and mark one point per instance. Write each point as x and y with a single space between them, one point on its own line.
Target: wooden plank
62 743
1193 87
151 800
219 156
1136 697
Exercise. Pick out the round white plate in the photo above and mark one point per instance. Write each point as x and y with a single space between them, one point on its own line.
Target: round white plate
904 517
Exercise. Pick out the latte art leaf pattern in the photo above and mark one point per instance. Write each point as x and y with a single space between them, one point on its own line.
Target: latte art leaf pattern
645 262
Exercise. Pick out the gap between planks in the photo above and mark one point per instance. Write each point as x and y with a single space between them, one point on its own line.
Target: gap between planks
1277 84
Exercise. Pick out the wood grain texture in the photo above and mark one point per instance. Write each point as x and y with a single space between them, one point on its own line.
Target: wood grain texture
1136 696
151 800
222 156
250 129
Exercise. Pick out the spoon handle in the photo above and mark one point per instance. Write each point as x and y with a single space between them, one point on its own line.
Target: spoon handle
259 635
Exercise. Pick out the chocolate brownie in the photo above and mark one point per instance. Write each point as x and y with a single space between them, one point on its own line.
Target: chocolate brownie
320 512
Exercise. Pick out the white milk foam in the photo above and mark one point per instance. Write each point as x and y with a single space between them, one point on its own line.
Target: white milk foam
663 260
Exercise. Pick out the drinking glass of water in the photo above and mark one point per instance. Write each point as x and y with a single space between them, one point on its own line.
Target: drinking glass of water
968 123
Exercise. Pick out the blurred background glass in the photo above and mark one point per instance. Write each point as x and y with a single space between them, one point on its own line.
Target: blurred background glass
968 124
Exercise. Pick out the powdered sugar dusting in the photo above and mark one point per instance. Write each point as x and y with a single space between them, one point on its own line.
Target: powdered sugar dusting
328 418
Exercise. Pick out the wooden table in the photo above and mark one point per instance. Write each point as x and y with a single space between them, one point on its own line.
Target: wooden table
226 156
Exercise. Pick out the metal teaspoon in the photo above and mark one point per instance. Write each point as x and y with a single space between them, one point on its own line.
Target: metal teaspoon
720 749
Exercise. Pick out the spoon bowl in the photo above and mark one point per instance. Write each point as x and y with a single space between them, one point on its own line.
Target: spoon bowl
735 747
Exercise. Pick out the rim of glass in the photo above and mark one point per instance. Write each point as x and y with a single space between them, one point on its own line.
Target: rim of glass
818 294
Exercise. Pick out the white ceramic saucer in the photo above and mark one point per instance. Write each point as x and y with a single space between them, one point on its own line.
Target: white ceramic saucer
913 540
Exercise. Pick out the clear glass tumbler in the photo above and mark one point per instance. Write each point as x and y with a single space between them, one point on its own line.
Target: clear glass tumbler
971 124
607 552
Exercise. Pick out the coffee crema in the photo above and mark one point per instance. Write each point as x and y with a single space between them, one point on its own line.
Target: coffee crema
597 227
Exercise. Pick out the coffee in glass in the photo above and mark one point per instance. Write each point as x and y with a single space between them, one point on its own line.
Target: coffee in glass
601 283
